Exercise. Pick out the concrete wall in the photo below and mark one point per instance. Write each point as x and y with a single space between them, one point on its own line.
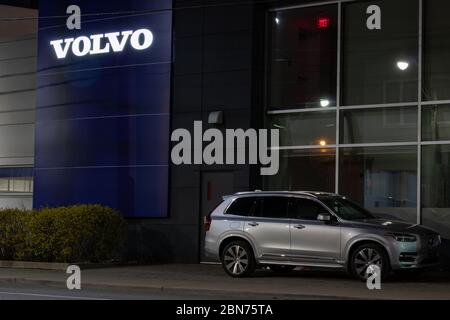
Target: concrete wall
17 96
17 100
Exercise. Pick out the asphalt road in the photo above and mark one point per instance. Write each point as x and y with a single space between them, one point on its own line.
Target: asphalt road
38 292
209 282
33 292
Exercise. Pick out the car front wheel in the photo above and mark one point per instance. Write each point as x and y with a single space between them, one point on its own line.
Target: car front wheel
367 255
238 260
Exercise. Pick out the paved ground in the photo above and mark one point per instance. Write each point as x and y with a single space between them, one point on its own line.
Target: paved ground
209 282
47 292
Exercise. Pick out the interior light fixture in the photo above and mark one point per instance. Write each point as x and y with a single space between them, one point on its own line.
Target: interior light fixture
402 65
324 103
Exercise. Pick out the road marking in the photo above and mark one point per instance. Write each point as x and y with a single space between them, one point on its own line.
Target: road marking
47 296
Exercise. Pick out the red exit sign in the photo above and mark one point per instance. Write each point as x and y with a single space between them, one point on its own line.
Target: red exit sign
323 23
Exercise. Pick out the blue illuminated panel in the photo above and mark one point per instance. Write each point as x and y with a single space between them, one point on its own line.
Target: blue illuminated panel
103 121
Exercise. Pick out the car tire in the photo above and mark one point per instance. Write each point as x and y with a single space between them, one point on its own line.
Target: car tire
281 268
365 255
238 260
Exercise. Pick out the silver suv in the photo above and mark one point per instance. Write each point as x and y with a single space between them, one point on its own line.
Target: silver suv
282 230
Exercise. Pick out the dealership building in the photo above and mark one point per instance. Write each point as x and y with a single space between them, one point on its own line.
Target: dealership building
359 91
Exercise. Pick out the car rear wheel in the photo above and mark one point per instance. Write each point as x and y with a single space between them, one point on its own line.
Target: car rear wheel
238 260
367 255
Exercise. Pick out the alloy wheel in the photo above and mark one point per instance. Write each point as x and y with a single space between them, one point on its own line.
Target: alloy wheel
236 259
365 258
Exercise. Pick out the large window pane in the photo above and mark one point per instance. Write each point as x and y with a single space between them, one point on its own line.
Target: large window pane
380 66
304 170
436 123
383 180
303 58
305 128
379 125
436 188
436 51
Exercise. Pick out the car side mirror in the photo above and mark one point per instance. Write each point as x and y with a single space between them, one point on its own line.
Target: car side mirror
325 217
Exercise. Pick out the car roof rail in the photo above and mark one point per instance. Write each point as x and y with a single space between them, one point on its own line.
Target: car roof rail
314 194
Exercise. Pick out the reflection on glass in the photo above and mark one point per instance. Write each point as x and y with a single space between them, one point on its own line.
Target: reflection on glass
304 170
436 188
305 128
380 66
382 179
436 123
303 58
379 125
436 42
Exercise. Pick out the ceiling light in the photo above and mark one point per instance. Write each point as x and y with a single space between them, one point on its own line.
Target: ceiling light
324 103
402 65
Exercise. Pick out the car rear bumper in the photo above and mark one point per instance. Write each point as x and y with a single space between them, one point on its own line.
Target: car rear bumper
211 249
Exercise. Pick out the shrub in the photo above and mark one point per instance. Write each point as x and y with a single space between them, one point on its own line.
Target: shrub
81 233
12 232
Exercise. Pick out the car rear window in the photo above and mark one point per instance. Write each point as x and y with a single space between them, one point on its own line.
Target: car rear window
242 206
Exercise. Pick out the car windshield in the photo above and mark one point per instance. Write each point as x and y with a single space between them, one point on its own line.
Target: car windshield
346 209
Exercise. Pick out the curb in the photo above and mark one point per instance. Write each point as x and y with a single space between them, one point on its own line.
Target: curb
58 266
178 290
33 265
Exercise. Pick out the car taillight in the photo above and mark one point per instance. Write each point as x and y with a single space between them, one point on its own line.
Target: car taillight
207 222
207 219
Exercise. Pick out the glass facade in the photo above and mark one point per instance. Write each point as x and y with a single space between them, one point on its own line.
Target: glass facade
305 169
383 139
436 123
436 67
378 125
436 187
302 58
382 179
369 57
312 128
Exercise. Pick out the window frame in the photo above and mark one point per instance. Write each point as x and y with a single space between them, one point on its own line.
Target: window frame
417 143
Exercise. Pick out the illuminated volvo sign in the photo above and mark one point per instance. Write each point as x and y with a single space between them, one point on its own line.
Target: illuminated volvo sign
103 43
103 105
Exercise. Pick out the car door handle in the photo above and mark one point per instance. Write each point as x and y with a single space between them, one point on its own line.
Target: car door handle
299 226
253 224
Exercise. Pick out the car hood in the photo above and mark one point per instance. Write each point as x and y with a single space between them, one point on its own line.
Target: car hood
394 226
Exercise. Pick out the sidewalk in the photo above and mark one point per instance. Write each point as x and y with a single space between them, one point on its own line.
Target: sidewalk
210 279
